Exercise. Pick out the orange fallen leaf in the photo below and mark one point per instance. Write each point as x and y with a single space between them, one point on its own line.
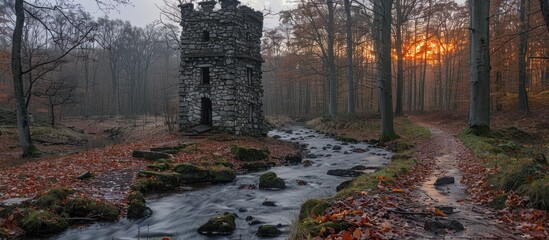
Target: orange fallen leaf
385 227
398 190
440 213
347 235
357 233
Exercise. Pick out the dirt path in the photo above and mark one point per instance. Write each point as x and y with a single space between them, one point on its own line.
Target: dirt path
448 154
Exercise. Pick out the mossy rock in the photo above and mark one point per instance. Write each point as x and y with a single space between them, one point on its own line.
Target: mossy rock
169 180
53 198
41 222
313 207
191 173
256 166
151 155
225 164
148 185
270 180
294 159
267 231
87 208
249 154
159 167
137 207
219 225
221 174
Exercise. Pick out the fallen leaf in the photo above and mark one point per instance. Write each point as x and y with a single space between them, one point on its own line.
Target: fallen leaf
398 190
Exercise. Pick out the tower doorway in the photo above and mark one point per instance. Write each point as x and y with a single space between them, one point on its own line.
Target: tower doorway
206 114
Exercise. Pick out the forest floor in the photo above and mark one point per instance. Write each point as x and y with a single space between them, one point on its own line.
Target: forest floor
406 204
104 147
399 202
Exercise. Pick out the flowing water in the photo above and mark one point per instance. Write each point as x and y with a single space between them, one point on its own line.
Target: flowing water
179 215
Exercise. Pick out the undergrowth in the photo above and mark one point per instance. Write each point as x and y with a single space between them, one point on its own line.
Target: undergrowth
511 152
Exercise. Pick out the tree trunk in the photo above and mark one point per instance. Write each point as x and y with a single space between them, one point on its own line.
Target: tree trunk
382 12
544 5
479 115
350 75
522 55
400 61
332 92
17 71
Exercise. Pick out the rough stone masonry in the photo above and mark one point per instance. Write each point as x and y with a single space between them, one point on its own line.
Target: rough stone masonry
221 62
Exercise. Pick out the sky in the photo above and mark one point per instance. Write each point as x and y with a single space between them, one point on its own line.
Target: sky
142 12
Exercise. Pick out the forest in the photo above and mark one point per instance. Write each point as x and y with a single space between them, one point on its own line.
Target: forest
388 119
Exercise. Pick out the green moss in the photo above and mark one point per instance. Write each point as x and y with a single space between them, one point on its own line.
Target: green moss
249 154
270 180
168 180
137 207
499 201
268 231
388 137
224 163
53 198
219 225
84 207
192 173
41 222
524 175
194 148
221 174
398 166
159 167
316 207
148 185
479 130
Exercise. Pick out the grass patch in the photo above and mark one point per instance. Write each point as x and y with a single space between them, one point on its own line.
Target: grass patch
510 150
41 222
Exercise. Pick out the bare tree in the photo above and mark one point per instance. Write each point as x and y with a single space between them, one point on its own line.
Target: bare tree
382 35
522 54
349 60
479 112
544 4
332 78
55 92
20 7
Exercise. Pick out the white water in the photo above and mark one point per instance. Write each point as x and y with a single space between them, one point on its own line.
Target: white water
179 215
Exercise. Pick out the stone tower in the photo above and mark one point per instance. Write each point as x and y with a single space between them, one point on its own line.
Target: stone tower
221 61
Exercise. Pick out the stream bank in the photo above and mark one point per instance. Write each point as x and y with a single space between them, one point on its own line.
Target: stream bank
180 215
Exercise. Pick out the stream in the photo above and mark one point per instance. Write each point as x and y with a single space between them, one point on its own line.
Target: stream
179 215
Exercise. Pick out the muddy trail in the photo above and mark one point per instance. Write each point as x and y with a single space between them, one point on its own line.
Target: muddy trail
458 217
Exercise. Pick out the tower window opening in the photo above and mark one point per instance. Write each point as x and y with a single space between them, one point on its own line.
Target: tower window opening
205 76
205 36
249 75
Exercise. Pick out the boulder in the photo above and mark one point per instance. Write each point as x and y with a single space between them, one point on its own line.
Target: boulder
221 174
344 173
270 180
151 155
444 180
268 231
191 173
307 163
85 175
434 226
219 225
256 166
336 147
293 159
269 203
137 207
312 156
249 154
42 222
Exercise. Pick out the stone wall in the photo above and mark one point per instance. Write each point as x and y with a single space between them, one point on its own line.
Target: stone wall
226 41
